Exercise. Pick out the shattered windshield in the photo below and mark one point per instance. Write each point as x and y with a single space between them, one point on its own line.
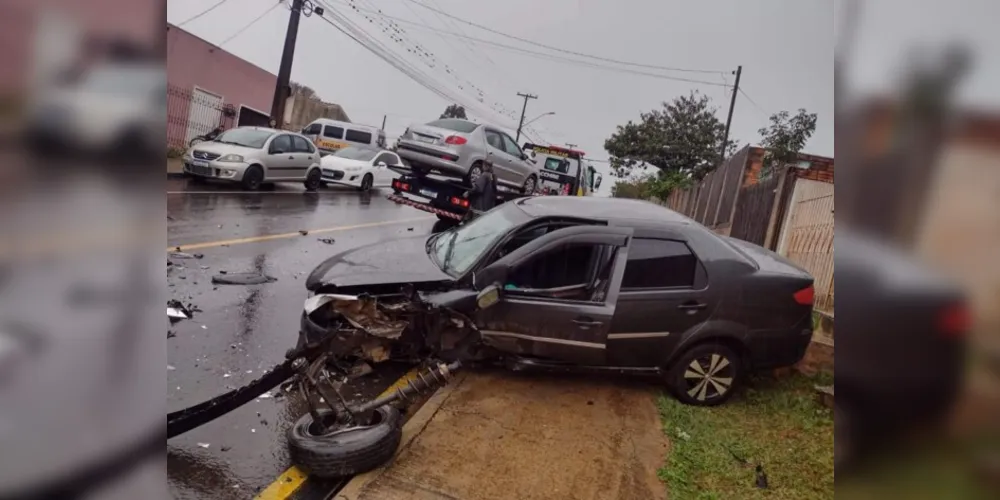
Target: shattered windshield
456 250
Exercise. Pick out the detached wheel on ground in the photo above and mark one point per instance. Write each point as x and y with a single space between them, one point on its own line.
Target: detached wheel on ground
253 178
366 183
314 179
705 375
345 451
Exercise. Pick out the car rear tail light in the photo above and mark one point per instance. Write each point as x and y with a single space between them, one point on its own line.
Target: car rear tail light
954 321
401 186
805 296
456 140
462 202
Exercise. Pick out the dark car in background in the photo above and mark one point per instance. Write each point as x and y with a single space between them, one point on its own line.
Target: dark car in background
581 283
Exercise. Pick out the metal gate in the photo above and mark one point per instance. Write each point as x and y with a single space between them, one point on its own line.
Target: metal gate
807 236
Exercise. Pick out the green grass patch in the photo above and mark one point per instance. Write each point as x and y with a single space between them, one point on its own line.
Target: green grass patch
777 423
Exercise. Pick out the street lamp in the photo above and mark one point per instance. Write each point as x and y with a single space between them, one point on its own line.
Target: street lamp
537 117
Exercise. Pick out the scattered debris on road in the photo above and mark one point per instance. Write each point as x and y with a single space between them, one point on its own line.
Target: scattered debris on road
328 241
242 279
177 311
204 445
183 255
303 232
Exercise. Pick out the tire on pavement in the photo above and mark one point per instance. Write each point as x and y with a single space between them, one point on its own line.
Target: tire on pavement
345 451
706 374
253 178
366 183
314 180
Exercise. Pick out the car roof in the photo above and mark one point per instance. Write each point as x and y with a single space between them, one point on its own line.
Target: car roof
599 208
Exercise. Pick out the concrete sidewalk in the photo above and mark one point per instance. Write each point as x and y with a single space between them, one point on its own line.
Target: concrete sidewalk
500 435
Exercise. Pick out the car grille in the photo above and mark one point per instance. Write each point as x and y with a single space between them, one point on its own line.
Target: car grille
204 155
333 174
194 169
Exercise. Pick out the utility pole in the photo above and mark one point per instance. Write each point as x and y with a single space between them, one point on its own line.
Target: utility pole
523 109
729 119
383 121
281 88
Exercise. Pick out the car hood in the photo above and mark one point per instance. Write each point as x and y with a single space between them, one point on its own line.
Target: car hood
331 161
224 149
400 261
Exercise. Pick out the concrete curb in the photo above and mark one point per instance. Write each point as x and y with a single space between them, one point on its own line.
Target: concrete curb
413 428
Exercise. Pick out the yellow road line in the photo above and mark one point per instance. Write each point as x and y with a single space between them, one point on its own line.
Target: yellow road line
269 237
285 486
292 479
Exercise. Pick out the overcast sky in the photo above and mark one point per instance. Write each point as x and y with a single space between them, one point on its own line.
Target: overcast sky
786 49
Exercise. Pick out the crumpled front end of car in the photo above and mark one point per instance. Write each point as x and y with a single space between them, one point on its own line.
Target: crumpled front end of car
408 327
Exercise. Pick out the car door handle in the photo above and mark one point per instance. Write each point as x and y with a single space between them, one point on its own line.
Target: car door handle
586 322
692 306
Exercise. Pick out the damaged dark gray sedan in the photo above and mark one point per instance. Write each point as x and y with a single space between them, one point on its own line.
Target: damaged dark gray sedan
560 282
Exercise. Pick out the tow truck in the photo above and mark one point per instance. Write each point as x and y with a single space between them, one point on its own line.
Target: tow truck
446 197
562 172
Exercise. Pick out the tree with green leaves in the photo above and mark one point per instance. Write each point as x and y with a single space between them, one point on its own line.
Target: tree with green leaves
682 141
784 138
454 111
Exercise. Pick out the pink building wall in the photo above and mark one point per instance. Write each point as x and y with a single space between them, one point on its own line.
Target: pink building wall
193 62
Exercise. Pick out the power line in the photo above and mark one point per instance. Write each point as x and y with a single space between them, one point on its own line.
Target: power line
251 23
202 13
557 49
392 59
551 57
752 102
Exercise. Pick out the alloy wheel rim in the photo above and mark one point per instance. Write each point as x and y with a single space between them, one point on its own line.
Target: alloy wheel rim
529 185
475 173
709 377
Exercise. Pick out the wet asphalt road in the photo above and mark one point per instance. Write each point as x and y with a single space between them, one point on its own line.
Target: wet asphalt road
242 331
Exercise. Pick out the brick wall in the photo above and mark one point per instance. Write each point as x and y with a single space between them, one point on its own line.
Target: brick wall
820 168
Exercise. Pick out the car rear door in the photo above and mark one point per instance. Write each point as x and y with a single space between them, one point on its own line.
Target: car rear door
519 168
664 294
304 157
566 323
497 153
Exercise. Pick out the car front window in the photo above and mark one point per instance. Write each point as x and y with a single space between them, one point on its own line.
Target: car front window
247 137
458 249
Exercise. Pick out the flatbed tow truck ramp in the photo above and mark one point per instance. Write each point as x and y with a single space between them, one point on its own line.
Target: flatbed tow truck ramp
442 196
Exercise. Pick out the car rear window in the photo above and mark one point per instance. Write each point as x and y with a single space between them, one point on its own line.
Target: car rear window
654 263
457 125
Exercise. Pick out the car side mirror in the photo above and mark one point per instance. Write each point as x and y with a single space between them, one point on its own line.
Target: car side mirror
278 151
488 297
490 275
380 164
597 182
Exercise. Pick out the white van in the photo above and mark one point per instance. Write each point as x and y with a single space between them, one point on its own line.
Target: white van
331 135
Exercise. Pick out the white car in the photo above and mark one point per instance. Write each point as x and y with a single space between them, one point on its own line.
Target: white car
360 167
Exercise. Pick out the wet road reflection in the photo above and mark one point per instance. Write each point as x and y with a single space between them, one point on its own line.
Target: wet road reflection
243 330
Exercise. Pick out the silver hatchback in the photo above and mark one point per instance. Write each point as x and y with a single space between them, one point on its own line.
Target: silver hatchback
254 156
455 147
